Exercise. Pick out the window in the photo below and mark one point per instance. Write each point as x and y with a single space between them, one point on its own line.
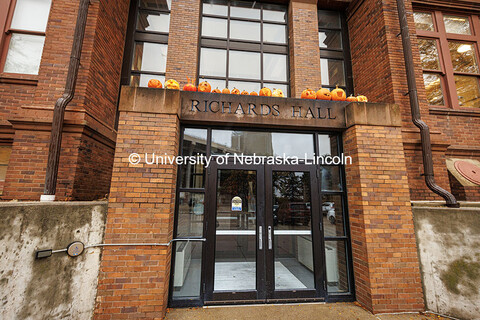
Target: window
5 152
449 52
244 45
334 51
149 58
25 36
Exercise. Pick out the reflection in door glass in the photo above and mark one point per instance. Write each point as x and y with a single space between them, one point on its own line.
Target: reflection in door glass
336 263
292 230
235 250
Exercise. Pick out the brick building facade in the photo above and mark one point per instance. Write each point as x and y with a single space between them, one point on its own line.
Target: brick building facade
109 118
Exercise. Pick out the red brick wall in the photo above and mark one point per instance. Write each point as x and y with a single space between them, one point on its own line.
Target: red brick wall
385 261
303 47
134 281
183 41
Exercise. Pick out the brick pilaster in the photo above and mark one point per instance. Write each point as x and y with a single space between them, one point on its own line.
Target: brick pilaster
304 46
385 261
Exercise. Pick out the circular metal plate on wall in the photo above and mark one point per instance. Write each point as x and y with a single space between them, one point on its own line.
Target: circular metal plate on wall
468 170
75 249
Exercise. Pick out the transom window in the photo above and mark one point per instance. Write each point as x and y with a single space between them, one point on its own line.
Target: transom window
334 51
25 36
244 45
150 41
449 52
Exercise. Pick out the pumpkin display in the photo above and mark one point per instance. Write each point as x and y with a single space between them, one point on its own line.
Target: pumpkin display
235 91
204 86
154 83
362 98
308 94
339 94
277 93
245 93
216 90
265 92
226 91
323 94
189 86
172 84
352 99
253 93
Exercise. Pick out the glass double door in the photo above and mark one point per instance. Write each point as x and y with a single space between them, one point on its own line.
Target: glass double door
264 240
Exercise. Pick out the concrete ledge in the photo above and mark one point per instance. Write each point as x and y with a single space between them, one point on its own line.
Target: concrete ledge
149 100
373 114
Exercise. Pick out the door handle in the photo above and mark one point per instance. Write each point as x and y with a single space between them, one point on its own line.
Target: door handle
269 237
260 238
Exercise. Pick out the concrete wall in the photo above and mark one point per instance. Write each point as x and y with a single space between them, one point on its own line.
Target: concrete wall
449 249
58 287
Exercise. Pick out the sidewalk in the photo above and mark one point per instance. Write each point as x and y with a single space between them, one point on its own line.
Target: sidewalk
331 311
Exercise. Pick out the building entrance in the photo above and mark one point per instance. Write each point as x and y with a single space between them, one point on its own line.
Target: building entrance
273 231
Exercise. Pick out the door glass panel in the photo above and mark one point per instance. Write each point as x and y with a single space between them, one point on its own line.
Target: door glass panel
468 91
327 145
235 250
262 143
423 21
433 87
332 72
187 270
456 24
331 178
190 214
332 212
336 263
429 54
194 143
293 251
463 57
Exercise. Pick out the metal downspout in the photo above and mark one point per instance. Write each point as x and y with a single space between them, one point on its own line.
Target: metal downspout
415 109
62 102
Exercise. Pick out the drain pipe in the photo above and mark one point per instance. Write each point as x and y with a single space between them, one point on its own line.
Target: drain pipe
415 109
61 104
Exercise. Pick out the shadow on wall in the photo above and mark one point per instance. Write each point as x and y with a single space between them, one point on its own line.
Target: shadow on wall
57 287
448 243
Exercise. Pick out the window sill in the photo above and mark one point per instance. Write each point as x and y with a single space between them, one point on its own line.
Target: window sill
455 112
23 79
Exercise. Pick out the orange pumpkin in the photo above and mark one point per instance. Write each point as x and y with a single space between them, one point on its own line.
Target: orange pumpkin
352 99
204 86
362 99
265 92
154 83
253 93
189 86
216 90
244 93
226 91
308 94
339 94
324 94
277 93
172 84
235 91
